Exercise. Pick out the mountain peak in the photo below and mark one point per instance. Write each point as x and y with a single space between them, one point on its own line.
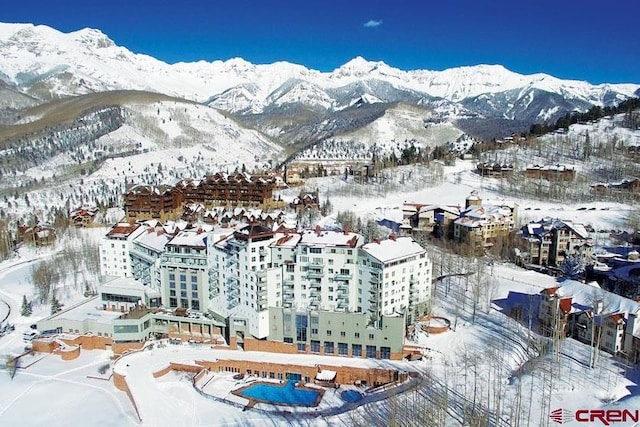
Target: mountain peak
93 37
358 66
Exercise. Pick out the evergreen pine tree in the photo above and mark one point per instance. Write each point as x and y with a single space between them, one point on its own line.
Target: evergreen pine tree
55 305
26 308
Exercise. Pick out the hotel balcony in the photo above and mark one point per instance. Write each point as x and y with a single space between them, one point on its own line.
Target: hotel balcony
315 274
340 276
315 285
374 312
262 292
231 280
214 290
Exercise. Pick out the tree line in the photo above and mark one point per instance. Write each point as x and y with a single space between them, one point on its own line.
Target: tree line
627 106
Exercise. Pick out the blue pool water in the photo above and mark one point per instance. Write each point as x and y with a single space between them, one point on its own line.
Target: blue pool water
279 395
351 396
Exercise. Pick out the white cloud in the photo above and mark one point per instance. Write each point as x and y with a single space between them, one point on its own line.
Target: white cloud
372 23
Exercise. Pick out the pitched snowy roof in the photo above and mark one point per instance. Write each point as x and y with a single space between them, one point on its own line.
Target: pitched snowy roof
191 238
393 249
153 239
331 238
477 216
326 375
584 296
451 209
284 240
546 225
122 230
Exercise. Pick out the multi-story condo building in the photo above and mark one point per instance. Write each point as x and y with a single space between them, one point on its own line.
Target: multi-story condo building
548 242
114 249
422 220
183 271
284 287
321 271
143 201
239 266
592 315
551 172
145 252
162 202
481 225
395 278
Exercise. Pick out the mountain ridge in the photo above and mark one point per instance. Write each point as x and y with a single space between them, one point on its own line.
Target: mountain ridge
47 63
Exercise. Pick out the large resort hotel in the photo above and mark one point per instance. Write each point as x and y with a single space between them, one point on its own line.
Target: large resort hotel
316 307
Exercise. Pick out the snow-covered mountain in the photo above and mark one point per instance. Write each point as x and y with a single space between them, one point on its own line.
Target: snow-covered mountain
45 63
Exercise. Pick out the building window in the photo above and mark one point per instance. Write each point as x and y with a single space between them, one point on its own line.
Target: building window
301 327
371 351
385 352
288 340
371 336
357 334
173 302
356 350
195 305
315 346
342 333
328 347
328 332
343 348
314 331
302 347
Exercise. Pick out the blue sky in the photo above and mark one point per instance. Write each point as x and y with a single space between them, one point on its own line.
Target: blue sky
584 40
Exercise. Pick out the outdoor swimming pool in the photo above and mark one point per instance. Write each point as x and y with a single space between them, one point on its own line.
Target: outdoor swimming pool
351 396
278 394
